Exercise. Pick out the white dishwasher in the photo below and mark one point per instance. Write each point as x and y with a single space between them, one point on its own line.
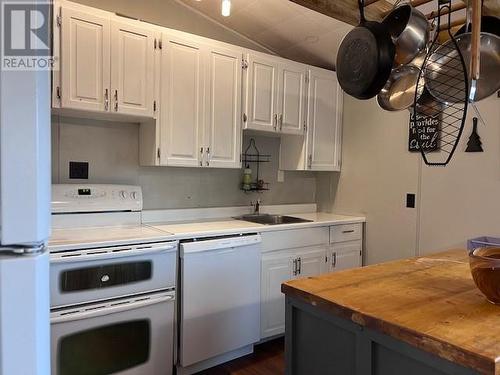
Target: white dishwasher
220 300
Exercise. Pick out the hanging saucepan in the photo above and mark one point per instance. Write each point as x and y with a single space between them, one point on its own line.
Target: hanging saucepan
489 80
427 105
399 91
409 30
365 58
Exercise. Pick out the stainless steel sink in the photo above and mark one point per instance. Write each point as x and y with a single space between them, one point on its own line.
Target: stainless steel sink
271 219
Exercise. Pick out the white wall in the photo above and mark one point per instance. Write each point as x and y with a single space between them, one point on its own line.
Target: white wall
112 150
454 203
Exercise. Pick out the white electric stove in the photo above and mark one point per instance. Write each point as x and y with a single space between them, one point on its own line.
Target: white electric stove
112 284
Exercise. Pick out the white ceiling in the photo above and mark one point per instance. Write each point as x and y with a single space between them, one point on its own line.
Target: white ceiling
281 26
288 29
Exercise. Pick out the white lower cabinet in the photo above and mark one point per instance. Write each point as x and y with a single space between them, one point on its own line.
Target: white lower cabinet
306 252
343 256
278 267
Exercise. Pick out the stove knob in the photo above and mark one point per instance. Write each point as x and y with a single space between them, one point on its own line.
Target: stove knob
134 195
123 194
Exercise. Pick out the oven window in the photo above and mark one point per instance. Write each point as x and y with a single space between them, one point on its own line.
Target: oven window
105 350
105 276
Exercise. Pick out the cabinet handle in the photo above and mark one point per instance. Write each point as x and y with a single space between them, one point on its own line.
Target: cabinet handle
280 120
310 161
208 156
116 100
275 121
295 267
106 99
334 259
348 231
299 265
201 157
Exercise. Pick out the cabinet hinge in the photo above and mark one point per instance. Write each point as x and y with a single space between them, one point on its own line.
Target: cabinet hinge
154 105
58 92
305 126
244 64
59 20
158 153
244 117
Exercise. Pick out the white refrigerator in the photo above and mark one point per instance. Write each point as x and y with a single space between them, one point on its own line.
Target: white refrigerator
24 222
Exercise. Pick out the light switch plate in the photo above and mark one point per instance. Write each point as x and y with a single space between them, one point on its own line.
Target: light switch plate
281 175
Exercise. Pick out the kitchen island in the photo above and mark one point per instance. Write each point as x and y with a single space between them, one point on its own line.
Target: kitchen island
418 316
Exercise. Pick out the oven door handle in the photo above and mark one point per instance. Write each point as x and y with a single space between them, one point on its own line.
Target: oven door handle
107 309
96 254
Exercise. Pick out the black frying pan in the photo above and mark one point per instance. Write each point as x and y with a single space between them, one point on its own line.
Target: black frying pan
489 24
365 58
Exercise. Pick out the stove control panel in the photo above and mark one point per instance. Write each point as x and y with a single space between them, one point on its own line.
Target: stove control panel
69 198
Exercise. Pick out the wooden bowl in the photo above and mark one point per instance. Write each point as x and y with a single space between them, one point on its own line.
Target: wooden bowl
485 268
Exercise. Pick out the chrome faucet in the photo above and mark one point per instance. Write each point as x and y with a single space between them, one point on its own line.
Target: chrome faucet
256 207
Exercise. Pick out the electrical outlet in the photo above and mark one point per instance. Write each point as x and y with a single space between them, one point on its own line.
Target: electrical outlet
410 200
79 170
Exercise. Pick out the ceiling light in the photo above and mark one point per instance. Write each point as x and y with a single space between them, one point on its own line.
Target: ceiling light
226 8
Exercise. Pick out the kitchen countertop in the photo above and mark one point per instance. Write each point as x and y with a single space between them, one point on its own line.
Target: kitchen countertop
429 302
220 227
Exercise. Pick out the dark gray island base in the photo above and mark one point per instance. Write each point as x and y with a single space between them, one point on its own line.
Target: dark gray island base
318 343
418 316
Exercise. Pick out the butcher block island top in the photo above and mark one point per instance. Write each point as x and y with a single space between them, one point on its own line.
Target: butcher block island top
428 302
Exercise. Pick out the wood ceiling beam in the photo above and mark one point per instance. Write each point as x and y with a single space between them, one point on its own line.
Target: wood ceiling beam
347 10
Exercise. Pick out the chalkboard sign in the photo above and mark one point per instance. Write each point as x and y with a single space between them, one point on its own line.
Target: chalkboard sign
425 131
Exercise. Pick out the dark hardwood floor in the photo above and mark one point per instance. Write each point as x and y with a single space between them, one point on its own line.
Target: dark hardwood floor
267 359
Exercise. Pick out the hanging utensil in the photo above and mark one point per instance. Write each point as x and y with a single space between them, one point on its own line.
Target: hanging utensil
399 91
365 58
444 74
409 30
475 51
474 144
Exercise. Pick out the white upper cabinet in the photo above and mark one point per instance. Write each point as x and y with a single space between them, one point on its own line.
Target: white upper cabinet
324 121
261 92
132 69
182 94
291 98
85 61
275 94
320 149
222 136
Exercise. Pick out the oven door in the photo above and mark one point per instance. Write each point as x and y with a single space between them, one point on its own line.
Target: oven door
127 337
89 275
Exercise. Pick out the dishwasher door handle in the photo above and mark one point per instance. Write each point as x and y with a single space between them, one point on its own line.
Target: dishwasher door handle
219 244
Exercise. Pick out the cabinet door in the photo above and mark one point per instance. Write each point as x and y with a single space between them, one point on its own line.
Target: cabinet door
345 256
261 93
181 103
85 61
276 269
291 99
312 262
132 69
324 121
223 115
